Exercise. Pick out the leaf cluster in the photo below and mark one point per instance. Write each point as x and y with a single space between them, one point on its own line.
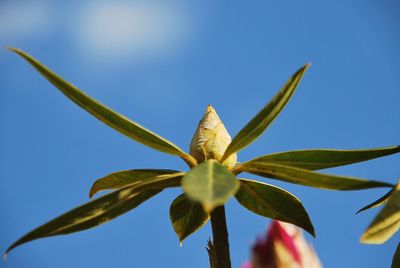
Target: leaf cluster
211 183
386 223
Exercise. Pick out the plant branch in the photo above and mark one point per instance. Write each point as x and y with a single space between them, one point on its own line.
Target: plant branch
219 250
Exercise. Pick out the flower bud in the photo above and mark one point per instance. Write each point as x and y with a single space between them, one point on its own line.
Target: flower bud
211 139
283 247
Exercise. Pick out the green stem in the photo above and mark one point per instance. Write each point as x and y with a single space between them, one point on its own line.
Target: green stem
219 252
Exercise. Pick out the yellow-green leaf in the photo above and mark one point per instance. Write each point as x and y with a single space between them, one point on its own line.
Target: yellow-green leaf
101 209
386 223
210 183
314 159
382 200
273 202
187 216
87 216
121 179
105 114
309 178
264 118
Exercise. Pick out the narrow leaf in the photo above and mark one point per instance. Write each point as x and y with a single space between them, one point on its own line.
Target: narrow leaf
382 200
121 179
386 223
273 202
264 118
187 216
105 114
310 178
396 258
101 209
210 183
314 159
87 216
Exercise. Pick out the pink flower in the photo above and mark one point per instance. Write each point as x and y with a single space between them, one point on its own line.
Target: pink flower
283 247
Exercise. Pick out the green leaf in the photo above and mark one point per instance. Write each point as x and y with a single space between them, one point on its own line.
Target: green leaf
210 183
396 258
377 202
386 223
315 159
101 209
121 179
310 178
87 216
187 216
105 114
264 118
273 202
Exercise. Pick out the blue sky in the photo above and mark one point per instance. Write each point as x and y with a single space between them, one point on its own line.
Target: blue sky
161 63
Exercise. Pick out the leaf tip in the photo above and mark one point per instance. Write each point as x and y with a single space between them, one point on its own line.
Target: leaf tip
312 233
7 251
91 193
305 67
13 49
363 240
93 190
309 227
360 210
366 238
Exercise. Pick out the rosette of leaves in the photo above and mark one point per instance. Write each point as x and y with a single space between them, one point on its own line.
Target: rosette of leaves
212 178
386 223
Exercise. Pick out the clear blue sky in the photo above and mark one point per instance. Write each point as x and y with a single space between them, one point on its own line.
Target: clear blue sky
160 63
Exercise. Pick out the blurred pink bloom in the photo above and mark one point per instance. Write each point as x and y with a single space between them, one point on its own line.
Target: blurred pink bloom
283 247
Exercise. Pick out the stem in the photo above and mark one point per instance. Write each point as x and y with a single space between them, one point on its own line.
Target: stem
190 160
219 252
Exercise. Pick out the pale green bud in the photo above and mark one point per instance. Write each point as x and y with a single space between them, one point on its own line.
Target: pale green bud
211 139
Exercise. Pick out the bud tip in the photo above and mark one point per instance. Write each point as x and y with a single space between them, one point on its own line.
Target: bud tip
209 108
